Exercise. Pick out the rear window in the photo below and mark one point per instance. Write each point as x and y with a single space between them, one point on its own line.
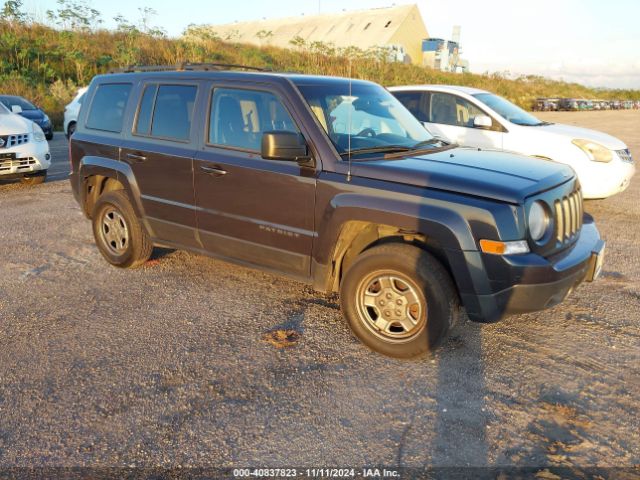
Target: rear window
108 106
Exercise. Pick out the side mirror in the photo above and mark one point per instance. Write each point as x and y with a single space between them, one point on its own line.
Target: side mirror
482 121
16 108
284 146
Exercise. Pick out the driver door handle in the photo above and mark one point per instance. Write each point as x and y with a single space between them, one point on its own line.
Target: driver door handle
215 171
136 158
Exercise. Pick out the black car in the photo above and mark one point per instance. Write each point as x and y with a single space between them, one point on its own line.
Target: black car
333 182
30 111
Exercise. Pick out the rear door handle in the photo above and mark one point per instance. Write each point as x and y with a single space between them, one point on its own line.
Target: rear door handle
136 158
215 171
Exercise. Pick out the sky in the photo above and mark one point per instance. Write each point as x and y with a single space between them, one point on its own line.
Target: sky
592 42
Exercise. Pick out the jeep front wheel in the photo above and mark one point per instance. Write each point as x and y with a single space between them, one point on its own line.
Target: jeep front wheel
399 300
118 234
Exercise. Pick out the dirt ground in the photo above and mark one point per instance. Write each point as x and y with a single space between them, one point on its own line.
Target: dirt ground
176 363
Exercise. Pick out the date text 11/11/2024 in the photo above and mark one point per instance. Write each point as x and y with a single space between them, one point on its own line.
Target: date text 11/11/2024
315 473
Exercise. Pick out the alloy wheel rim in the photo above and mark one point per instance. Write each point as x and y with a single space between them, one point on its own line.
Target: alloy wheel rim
391 307
114 231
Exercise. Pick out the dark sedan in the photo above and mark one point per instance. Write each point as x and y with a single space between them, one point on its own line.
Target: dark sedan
30 111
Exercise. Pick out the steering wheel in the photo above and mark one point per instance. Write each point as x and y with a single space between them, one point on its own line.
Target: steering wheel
367 132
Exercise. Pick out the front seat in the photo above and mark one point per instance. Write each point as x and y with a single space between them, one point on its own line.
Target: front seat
445 113
231 126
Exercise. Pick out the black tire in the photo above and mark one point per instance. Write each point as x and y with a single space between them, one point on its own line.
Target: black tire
114 208
70 129
426 281
35 179
49 136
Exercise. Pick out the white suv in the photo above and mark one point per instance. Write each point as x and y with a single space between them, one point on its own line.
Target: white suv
24 151
477 118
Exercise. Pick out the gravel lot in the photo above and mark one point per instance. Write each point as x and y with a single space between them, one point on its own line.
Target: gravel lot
166 365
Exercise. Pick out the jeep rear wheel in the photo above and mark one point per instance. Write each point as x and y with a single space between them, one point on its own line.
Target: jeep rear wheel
118 234
399 300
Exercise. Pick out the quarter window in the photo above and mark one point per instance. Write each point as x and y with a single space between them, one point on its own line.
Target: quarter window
453 110
108 106
238 118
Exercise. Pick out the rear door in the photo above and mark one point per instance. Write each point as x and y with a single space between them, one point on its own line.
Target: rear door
160 150
250 209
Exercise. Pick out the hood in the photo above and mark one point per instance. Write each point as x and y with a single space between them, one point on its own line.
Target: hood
12 124
489 174
34 115
572 133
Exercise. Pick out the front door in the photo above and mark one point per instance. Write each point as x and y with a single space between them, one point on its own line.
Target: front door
250 209
451 118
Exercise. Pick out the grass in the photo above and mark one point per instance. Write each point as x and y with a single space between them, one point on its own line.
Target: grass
47 65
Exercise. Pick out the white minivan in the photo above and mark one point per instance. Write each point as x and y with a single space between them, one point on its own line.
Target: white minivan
477 118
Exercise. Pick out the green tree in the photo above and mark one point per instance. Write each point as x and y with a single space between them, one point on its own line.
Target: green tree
12 12
75 15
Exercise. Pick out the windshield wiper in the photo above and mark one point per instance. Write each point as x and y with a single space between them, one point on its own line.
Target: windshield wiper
431 141
539 124
378 149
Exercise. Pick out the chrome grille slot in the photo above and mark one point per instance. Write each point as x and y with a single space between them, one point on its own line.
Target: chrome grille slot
568 211
10 141
19 164
574 213
559 221
625 155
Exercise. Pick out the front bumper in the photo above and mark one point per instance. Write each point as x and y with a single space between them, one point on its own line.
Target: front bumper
32 157
536 283
601 180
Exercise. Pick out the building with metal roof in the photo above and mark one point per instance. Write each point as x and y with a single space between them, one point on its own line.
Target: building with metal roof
400 29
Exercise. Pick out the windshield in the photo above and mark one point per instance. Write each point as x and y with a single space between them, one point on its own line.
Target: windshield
365 120
508 110
9 101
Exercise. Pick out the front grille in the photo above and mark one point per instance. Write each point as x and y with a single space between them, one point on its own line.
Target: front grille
625 155
19 164
568 212
9 141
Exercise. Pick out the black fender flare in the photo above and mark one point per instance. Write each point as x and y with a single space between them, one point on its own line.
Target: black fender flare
110 168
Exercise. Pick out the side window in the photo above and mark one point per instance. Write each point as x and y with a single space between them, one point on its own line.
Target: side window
238 118
173 111
145 110
453 110
108 106
416 102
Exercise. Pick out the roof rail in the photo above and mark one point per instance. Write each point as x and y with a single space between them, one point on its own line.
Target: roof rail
187 66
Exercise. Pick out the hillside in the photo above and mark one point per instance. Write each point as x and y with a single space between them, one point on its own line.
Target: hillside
47 65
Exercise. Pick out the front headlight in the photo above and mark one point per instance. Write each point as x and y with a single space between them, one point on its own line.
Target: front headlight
593 150
38 134
538 221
